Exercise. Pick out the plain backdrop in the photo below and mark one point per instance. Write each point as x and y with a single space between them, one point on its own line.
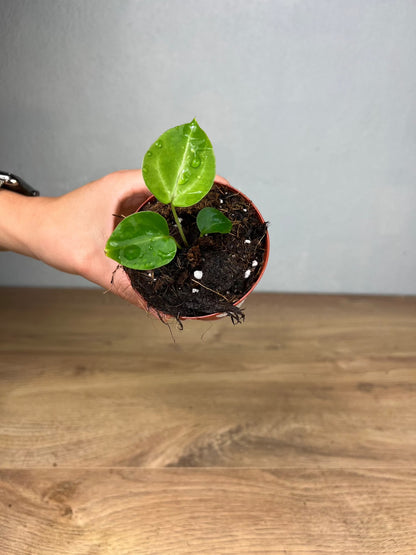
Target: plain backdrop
310 106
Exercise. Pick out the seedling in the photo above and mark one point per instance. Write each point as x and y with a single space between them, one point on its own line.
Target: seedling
179 170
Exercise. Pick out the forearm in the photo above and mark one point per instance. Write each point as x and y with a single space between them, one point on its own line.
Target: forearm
22 222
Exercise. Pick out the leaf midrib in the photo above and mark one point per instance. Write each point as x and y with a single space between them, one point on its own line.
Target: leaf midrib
183 163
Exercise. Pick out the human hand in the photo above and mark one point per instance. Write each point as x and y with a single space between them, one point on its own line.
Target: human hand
75 228
82 222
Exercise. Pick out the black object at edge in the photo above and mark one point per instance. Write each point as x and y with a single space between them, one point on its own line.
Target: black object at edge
17 185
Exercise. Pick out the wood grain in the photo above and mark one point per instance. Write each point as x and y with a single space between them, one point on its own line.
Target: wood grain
292 433
189 511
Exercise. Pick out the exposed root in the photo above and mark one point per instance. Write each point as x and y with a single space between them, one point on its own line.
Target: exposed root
179 322
164 322
113 274
236 315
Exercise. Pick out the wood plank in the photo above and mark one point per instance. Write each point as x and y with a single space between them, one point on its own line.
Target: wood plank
113 410
207 511
298 327
335 394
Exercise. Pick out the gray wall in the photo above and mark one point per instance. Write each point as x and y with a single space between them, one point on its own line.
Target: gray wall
310 105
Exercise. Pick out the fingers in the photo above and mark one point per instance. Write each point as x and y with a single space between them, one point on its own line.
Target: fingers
122 287
127 178
129 191
221 180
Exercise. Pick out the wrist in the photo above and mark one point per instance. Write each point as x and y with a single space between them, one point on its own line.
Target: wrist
22 223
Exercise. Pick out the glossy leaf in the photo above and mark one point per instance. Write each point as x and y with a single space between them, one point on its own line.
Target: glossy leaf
211 220
142 242
179 168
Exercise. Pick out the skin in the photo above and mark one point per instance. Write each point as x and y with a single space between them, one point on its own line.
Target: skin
69 232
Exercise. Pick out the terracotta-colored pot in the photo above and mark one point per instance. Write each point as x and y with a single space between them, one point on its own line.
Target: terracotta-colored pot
240 301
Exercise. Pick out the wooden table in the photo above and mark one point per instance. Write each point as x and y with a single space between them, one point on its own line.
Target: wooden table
292 433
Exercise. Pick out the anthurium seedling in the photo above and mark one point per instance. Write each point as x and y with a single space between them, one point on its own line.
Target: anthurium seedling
179 170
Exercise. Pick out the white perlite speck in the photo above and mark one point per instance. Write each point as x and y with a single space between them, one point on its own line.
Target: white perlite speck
247 241
195 290
254 263
247 274
198 274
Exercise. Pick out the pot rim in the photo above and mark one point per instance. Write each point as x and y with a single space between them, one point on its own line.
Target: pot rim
216 315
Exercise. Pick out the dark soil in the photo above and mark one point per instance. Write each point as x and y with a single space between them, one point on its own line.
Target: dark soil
227 261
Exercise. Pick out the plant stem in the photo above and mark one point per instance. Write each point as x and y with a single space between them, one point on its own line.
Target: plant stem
178 223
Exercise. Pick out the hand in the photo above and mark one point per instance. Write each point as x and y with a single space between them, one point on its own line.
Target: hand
81 223
76 227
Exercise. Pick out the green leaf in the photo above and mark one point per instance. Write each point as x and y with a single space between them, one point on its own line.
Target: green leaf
142 242
211 220
179 168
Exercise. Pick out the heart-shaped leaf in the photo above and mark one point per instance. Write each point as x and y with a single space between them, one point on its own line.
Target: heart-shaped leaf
179 168
142 242
211 220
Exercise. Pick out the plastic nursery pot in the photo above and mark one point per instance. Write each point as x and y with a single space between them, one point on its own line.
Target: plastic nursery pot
241 300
